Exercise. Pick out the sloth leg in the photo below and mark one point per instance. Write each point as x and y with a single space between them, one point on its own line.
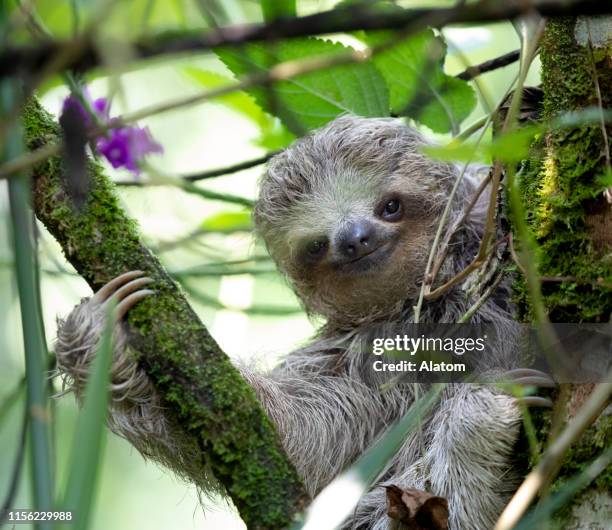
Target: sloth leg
469 460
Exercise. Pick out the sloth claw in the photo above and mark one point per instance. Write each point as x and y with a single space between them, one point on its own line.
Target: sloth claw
106 291
126 290
541 382
530 377
536 401
130 287
131 300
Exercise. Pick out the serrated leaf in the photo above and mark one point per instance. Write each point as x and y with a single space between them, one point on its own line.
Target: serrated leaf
228 222
418 86
272 9
311 100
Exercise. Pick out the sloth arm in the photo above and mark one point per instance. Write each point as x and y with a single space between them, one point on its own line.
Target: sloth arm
323 421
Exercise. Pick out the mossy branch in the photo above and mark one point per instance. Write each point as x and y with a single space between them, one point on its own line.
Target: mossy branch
562 188
571 220
217 409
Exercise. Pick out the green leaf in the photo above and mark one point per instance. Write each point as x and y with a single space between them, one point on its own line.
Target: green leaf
277 8
457 152
89 434
418 86
509 147
273 135
311 100
512 147
238 101
228 222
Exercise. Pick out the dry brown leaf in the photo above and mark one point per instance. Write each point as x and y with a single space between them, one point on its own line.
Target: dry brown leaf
416 509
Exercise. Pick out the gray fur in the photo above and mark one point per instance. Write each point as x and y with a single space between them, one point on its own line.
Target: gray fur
324 398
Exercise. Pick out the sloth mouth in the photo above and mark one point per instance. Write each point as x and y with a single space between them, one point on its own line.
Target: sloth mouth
373 259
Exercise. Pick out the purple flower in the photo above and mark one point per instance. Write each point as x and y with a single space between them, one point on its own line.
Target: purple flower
126 146
73 103
122 147
100 106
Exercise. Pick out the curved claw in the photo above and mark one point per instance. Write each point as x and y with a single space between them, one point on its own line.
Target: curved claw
131 300
105 292
542 382
130 287
518 375
536 401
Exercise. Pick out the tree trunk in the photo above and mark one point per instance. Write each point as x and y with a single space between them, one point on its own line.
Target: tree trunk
564 197
216 407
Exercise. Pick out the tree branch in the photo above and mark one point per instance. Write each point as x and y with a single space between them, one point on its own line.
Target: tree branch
219 172
487 66
85 56
196 380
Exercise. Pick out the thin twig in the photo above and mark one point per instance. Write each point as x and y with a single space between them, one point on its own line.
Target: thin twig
514 255
495 181
483 248
425 284
485 295
193 177
453 230
549 464
487 66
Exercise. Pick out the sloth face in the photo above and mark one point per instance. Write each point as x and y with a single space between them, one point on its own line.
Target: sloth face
349 213
359 257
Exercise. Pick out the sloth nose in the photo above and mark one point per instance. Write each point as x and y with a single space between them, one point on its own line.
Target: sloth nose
356 240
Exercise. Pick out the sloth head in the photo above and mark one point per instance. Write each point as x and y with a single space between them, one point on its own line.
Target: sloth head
348 213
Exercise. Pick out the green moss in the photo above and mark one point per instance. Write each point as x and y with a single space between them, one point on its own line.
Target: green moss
588 447
559 185
560 189
215 406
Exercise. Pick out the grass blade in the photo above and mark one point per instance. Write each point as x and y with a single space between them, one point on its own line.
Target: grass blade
33 334
89 435
543 513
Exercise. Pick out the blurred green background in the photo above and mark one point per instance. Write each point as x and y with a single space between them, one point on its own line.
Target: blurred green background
133 493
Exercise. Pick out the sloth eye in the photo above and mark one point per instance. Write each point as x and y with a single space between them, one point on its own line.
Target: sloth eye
316 248
392 210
